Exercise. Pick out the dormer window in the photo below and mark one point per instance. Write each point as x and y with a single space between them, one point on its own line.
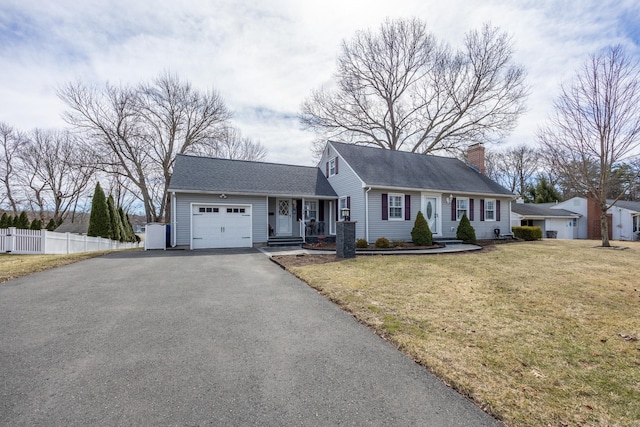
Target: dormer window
332 167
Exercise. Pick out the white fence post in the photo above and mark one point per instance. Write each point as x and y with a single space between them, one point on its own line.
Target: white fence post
11 239
43 241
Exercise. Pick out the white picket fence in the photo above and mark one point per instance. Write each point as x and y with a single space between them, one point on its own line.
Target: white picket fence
18 241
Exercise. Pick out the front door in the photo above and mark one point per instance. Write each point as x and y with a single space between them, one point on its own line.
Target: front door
430 213
283 220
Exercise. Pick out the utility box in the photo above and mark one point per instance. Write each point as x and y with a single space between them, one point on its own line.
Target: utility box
155 236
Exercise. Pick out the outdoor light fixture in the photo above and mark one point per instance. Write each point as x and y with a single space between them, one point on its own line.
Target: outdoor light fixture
346 214
223 196
449 198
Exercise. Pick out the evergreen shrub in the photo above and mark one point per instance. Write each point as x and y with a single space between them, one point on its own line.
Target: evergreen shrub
465 231
421 234
527 233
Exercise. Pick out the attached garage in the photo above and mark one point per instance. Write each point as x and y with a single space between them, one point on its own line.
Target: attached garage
221 226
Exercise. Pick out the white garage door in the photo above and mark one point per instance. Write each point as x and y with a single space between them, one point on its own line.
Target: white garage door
221 226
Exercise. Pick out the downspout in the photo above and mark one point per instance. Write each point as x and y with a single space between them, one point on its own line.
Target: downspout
174 220
366 213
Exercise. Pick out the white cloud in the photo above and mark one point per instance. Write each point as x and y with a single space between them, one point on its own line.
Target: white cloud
266 57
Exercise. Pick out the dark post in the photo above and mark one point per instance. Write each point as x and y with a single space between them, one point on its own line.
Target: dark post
346 239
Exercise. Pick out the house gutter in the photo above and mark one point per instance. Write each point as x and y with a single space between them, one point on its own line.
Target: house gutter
366 213
173 219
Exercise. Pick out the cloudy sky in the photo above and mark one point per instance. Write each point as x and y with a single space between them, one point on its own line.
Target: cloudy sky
266 56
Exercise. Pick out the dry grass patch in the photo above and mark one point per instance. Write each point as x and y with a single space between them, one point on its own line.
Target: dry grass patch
14 266
541 333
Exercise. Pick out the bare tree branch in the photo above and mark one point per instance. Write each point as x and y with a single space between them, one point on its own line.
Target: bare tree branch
595 126
400 89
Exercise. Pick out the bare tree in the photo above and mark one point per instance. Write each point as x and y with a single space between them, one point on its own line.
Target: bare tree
595 127
400 89
514 167
57 169
230 144
11 143
137 132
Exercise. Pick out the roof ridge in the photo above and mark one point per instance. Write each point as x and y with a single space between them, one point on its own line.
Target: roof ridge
242 161
402 152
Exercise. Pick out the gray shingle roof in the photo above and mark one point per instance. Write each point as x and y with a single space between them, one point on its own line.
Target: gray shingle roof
386 168
626 204
531 209
194 173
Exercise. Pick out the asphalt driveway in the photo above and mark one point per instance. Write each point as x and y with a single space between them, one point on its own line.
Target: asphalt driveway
201 338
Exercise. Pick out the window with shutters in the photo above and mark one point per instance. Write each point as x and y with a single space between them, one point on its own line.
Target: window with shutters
462 207
489 210
396 206
332 167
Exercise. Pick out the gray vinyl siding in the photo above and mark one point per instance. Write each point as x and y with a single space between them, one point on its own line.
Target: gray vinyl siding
346 183
391 229
483 229
183 214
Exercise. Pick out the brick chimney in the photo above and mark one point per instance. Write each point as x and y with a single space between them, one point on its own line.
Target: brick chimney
475 157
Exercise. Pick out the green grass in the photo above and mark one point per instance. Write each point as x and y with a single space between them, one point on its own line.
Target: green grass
13 266
541 333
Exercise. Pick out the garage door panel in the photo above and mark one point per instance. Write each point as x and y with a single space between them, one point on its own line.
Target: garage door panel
221 226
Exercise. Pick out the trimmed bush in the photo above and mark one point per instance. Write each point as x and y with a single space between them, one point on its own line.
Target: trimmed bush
527 233
421 234
36 224
382 242
465 231
362 244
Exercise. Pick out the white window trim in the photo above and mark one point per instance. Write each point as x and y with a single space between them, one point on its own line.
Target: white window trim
389 196
340 206
458 200
486 203
332 166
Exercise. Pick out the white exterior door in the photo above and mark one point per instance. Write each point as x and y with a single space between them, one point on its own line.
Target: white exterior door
221 226
430 212
283 220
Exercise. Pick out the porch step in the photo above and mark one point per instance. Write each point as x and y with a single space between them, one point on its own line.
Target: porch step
445 241
284 241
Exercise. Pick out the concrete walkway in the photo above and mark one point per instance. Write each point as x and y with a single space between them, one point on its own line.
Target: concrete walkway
298 250
195 338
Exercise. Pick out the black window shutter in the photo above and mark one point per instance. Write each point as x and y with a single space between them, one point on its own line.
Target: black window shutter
385 207
326 165
349 202
336 166
337 216
407 207
497 210
471 209
321 210
481 209
299 209
453 209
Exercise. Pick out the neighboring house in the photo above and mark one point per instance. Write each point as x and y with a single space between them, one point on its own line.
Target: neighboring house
560 223
624 218
229 203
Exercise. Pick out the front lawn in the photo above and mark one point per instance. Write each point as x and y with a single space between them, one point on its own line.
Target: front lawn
541 333
13 266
